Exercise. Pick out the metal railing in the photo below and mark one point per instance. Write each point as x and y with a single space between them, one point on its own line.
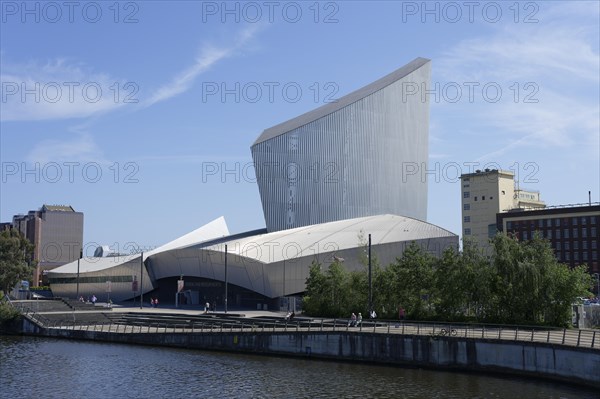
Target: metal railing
558 336
134 323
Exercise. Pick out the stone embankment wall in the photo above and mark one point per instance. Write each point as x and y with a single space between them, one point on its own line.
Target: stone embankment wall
557 362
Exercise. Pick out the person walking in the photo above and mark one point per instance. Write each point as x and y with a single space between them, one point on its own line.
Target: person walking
359 319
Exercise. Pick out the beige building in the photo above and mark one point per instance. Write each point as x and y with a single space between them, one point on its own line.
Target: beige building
486 193
56 231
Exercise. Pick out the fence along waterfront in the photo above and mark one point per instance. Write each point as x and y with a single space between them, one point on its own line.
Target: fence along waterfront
106 321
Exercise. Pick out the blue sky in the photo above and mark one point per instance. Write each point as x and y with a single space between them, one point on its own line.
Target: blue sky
126 109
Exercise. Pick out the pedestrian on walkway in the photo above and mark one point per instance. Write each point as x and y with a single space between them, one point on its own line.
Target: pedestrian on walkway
352 321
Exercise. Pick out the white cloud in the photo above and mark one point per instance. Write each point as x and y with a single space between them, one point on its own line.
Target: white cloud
82 148
65 89
559 55
209 56
59 89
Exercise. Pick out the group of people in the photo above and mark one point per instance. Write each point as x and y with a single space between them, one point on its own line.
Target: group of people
91 299
355 320
154 302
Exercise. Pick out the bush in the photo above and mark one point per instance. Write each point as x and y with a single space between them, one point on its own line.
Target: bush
7 313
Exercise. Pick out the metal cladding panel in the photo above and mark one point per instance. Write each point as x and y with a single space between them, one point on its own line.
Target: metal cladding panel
350 163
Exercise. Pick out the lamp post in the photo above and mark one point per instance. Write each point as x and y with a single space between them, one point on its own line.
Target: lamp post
225 278
142 280
78 259
370 280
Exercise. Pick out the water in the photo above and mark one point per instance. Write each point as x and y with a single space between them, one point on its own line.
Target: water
48 368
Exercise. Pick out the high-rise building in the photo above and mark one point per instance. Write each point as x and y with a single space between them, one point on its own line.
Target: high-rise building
485 194
56 231
346 159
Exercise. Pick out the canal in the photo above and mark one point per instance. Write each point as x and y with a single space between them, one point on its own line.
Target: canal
32 367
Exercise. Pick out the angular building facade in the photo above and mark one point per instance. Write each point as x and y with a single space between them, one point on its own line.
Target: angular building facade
347 159
327 180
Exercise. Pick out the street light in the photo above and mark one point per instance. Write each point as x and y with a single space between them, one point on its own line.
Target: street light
370 281
226 279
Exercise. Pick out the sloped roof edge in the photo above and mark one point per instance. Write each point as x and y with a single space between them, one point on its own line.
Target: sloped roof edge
356 95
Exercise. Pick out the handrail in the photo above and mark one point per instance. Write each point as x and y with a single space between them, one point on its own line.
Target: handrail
576 338
581 338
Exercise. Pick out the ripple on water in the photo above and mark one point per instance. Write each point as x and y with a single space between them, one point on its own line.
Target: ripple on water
47 368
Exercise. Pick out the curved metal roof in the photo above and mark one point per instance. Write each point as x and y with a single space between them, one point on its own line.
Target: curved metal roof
331 237
208 232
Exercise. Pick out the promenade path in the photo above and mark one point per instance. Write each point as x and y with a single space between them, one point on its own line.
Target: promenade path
128 318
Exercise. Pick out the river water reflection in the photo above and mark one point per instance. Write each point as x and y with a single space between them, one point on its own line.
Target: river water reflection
48 368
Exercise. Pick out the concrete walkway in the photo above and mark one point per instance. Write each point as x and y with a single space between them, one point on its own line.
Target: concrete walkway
167 309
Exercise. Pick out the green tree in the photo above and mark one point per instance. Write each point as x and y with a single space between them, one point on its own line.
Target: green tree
563 286
521 282
530 286
15 253
452 282
316 288
478 277
329 293
338 295
412 285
